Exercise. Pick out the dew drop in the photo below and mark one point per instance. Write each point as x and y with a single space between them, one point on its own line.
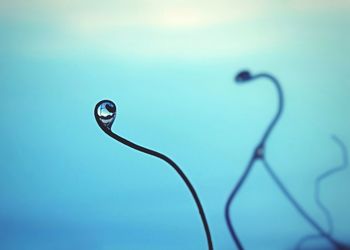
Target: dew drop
106 113
243 76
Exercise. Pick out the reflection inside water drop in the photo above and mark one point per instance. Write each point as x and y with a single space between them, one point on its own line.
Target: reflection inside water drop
106 113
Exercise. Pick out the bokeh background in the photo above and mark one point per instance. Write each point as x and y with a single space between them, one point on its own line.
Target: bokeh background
169 65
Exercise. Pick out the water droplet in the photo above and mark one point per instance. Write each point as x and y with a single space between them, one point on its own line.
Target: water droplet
106 113
243 76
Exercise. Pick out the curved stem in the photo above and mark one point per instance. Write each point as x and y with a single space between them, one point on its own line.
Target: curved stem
230 200
175 167
306 239
317 195
280 106
296 205
327 174
258 154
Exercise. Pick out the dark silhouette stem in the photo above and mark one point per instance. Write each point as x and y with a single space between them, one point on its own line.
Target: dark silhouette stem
280 106
296 205
259 155
230 201
175 167
317 193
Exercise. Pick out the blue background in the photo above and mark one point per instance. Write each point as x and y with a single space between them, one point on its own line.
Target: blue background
168 66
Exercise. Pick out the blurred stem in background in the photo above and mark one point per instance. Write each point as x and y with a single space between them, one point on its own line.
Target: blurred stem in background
259 155
317 194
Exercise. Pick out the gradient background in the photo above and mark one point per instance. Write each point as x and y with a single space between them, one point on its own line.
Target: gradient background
169 67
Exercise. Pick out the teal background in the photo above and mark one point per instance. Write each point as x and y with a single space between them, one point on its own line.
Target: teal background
168 65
